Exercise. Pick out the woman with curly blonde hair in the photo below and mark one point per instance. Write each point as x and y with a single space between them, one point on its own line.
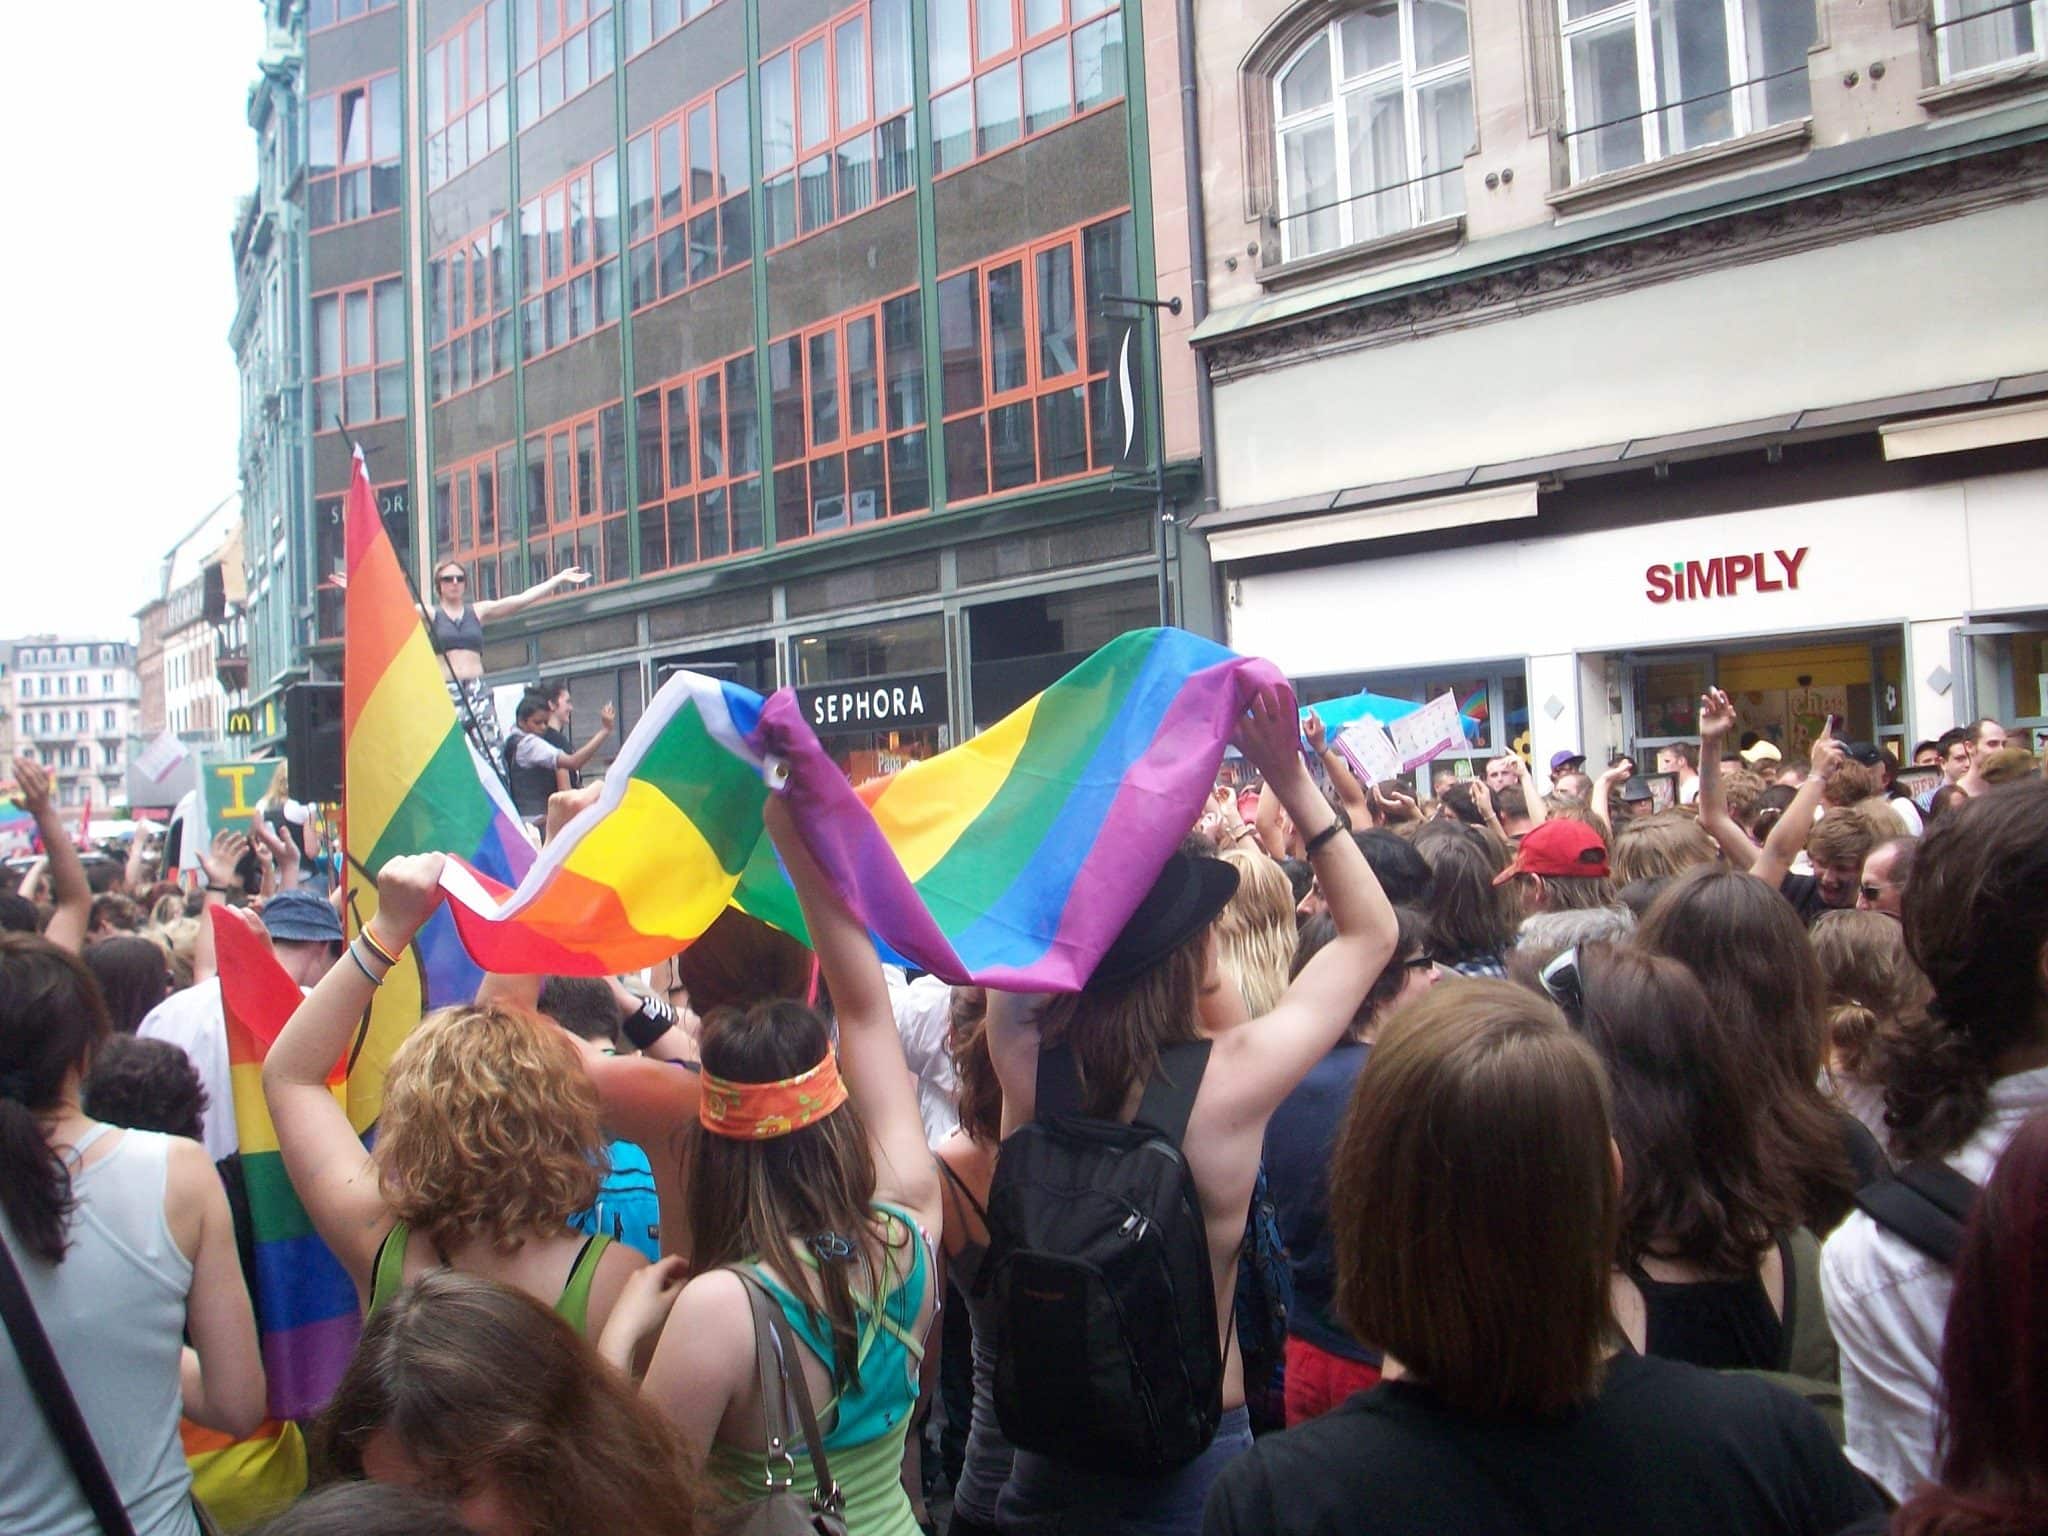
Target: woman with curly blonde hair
1255 931
488 1143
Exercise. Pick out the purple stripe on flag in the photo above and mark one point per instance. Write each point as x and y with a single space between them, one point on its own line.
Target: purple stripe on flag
303 1364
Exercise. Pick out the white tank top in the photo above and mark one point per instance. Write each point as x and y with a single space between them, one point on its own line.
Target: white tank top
115 1314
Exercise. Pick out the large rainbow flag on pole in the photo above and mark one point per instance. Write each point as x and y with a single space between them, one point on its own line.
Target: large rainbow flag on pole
412 784
1011 860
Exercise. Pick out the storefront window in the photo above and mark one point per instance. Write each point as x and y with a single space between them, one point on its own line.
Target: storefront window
1020 647
751 666
1668 696
877 696
1494 704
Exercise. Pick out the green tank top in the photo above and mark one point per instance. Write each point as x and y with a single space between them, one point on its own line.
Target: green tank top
387 1276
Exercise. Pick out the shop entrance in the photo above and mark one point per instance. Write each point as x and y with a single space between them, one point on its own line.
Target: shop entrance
1784 691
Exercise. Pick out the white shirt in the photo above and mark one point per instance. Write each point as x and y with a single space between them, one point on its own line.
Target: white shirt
1689 791
1888 1305
192 1021
924 1021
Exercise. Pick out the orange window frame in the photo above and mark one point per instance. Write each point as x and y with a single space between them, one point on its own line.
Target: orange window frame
452 279
382 373
846 439
333 19
663 18
471 64
1022 44
661 507
561 32
458 519
574 516
328 180
553 266
1038 385
645 286
807 150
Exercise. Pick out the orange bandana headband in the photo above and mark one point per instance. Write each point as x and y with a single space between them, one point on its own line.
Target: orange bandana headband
757 1111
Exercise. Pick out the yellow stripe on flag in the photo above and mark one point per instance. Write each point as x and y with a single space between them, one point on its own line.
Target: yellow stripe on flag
928 805
404 738
678 895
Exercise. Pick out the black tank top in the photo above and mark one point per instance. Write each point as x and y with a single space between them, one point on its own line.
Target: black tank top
463 633
1722 1325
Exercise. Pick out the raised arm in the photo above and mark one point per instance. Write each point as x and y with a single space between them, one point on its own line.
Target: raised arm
1717 720
1267 1056
218 863
606 719
870 1050
283 851
491 608
1789 835
1603 792
333 1174
1538 808
1350 793
68 885
131 871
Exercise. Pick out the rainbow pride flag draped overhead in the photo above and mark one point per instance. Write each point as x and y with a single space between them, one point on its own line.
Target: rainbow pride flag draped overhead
305 1301
412 785
1011 860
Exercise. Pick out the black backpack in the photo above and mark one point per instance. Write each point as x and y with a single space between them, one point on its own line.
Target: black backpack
1098 1261
1926 1202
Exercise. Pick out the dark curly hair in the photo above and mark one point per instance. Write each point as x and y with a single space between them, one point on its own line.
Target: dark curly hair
146 1085
1976 916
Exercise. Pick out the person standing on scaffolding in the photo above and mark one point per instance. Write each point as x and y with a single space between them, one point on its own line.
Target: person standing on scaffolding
456 626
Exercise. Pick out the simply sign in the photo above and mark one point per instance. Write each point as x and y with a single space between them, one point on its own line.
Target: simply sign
875 704
1686 581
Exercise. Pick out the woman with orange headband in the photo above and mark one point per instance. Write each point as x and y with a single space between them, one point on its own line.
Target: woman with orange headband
808 1170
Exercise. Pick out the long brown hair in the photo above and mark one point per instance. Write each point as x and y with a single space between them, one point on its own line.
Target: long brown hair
51 1020
1693 1186
749 1201
1116 1031
1469 916
1872 984
1751 954
981 1091
1496 1297
1976 916
481 1385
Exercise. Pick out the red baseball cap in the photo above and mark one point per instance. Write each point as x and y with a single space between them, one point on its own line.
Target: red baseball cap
1559 847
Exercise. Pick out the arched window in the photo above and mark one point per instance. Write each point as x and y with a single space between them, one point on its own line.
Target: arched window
1374 119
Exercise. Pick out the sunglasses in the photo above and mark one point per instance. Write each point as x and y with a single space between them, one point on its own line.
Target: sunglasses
1422 962
1873 892
1561 981
455 576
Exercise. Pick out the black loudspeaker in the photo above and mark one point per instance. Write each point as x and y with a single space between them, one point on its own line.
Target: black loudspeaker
312 741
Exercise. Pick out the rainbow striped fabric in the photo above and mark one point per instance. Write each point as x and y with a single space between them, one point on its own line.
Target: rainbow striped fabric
1011 860
412 784
305 1301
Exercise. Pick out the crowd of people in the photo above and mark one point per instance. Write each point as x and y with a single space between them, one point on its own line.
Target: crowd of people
1515 1160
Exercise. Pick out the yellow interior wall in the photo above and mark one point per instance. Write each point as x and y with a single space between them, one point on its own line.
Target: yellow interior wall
1820 665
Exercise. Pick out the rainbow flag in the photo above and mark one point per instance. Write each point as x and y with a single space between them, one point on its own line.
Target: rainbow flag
305 1302
242 1482
1011 860
412 784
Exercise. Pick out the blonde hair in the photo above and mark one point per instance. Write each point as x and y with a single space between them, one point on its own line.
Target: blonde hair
1668 843
180 940
1740 789
2008 765
490 1128
1255 931
1872 983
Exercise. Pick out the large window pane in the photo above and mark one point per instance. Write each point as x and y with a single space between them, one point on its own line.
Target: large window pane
903 353
640 188
854 162
828 494
1306 82
996 116
648 439
326 336
1444 117
1063 433
946 24
1046 89
824 382
1058 347
953 129
993 33
1608 132
778 114
1099 62
1689 47
1378 136
1308 158
892 157
678 397
891 19
356 318
1370 39
814 194
960 341
390 298
910 485
710 438
1440 34
966 458
850 65
1780 32
1008 366
1014 446
384 133
355 128
786 398
742 425
863 392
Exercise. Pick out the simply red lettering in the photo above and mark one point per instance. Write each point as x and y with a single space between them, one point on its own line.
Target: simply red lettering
1686 581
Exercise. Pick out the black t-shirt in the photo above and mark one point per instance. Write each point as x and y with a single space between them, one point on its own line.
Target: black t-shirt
1665 1447
1803 891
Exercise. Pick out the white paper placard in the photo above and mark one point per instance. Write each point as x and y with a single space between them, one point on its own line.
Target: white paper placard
1428 732
1366 746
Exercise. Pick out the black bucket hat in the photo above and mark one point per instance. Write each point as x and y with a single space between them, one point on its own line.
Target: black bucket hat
1183 901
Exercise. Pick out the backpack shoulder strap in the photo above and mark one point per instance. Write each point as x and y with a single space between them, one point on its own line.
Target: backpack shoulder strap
53 1395
1170 1095
387 1271
1059 1084
1925 1204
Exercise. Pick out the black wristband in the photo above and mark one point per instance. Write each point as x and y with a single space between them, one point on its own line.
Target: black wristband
221 890
1316 844
648 1023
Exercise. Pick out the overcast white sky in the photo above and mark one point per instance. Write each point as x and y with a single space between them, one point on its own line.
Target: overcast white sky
124 146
